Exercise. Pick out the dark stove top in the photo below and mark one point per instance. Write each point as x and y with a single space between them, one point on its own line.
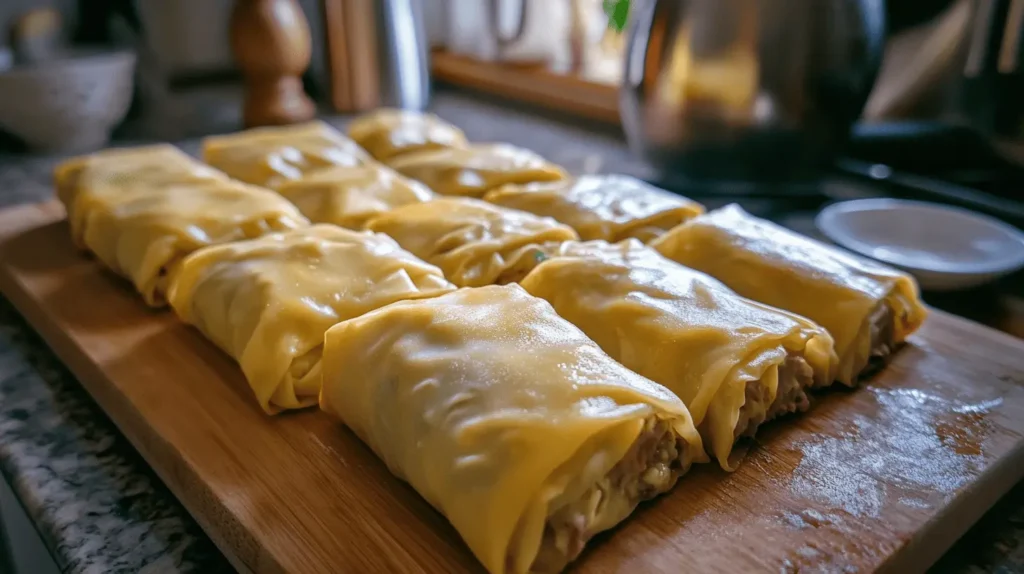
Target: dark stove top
792 205
795 205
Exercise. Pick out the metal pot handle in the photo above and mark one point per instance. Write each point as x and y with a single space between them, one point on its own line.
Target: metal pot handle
638 38
634 74
505 41
875 31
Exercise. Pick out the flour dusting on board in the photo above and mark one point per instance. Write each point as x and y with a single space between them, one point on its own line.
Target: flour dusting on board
916 449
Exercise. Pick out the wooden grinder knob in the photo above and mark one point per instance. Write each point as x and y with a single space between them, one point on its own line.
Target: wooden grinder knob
270 40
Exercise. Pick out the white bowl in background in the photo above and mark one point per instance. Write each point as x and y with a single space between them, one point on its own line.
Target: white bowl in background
946 248
67 104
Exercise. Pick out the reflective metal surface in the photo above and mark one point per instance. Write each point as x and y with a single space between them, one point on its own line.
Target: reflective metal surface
748 89
397 58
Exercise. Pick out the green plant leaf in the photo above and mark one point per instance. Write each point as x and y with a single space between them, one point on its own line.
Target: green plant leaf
618 13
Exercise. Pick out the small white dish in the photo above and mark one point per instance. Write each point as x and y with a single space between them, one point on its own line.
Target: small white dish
945 248
68 104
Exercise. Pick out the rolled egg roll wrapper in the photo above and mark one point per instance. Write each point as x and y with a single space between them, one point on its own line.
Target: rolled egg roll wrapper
270 156
866 306
720 353
506 418
120 168
140 221
474 242
388 133
476 169
538 253
349 196
601 207
268 302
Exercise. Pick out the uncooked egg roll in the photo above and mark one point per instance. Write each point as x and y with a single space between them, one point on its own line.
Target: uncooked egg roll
867 307
733 362
270 156
350 196
267 302
142 210
474 242
388 133
606 207
507 419
476 169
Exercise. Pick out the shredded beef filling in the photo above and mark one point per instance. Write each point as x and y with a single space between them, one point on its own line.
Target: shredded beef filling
795 375
650 468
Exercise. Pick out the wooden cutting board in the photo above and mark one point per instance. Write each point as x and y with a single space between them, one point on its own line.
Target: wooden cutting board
882 478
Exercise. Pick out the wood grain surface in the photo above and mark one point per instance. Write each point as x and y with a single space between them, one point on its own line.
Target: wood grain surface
272 46
530 83
882 478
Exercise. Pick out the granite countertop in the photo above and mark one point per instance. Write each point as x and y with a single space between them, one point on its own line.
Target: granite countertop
97 505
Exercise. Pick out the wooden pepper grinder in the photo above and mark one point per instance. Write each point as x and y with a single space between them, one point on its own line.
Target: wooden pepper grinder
271 43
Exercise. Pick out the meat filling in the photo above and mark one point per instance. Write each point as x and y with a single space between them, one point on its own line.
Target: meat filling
650 467
795 376
883 338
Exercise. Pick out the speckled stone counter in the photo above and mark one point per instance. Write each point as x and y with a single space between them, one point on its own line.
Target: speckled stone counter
95 503
98 506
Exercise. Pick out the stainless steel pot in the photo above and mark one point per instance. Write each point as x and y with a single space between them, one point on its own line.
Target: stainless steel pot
747 89
381 57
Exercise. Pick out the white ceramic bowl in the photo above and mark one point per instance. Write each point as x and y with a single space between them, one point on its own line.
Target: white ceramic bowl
67 104
945 248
